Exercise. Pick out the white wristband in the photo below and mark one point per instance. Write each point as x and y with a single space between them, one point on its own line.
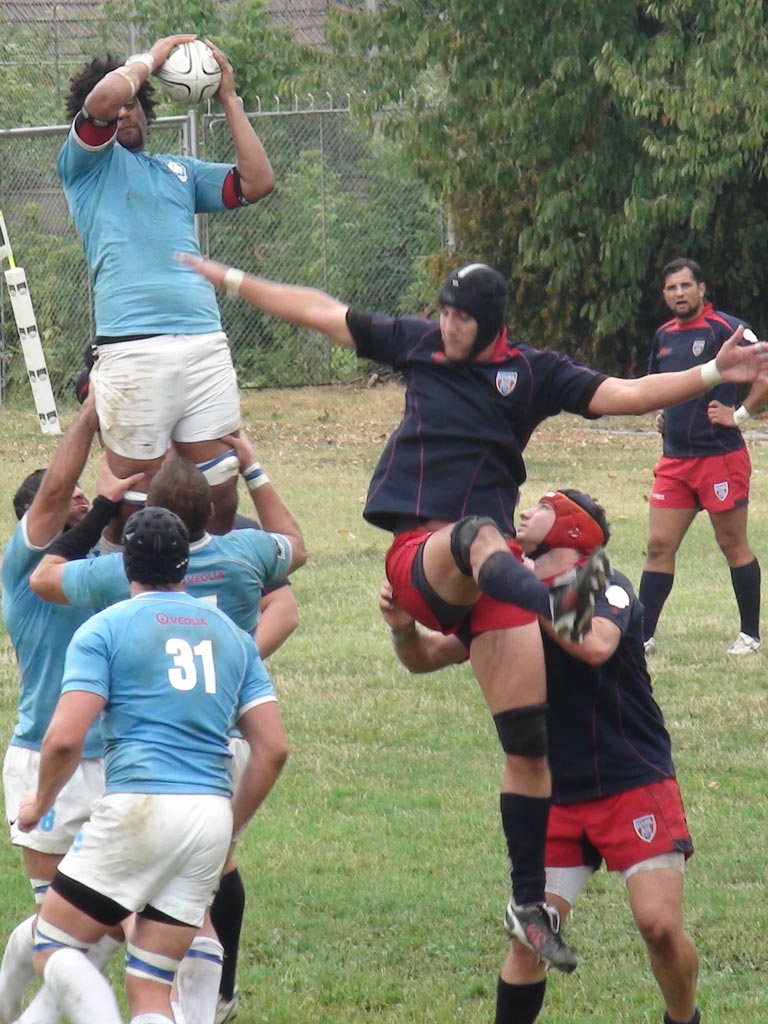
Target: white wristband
145 58
741 415
233 278
710 373
255 477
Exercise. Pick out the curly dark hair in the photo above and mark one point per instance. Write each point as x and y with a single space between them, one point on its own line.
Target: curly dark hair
82 83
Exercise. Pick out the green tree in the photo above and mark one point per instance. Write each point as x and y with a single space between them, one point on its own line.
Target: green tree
555 135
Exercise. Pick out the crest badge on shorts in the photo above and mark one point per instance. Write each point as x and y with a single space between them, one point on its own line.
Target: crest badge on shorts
505 382
721 490
645 827
698 346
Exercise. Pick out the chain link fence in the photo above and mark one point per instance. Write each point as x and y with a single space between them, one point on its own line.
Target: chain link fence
343 217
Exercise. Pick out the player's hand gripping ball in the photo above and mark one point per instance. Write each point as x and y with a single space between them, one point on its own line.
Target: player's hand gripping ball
190 73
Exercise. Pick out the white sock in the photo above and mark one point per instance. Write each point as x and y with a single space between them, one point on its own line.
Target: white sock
16 970
151 1018
101 952
42 1010
178 1016
82 992
198 980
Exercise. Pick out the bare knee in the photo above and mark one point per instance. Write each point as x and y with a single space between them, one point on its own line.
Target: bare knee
659 930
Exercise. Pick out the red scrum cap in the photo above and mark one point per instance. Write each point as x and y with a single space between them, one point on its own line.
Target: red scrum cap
580 523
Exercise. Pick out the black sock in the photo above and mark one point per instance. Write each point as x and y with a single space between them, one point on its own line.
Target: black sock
524 820
655 588
227 912
695 1019
746 587
518 1004
503 578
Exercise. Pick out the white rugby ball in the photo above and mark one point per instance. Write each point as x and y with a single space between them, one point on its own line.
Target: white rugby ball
190 73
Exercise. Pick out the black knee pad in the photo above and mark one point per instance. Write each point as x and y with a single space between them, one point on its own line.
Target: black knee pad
462 535
523 731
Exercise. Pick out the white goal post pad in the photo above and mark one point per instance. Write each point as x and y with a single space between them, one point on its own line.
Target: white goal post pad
31 346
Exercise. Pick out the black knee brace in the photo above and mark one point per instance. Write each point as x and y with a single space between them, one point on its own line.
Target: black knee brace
523 731
462 535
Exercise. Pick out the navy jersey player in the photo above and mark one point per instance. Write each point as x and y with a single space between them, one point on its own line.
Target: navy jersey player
164 369
615 796
169 675
446 485
705 463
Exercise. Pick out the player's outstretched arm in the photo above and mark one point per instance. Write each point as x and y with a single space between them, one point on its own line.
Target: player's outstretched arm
257 179
305 307
273 514
51 505
46 579
735 363
119 87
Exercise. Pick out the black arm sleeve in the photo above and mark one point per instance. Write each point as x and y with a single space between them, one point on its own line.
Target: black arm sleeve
78 541
359 325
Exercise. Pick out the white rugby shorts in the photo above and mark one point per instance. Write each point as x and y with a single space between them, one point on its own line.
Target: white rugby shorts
166 849
179 387
57 830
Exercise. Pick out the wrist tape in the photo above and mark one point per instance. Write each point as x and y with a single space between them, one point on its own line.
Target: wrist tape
255 477
710 373
741 415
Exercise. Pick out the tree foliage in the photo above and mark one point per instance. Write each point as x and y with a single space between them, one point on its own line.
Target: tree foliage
578 146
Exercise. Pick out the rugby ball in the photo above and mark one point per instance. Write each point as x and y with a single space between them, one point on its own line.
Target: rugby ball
190 74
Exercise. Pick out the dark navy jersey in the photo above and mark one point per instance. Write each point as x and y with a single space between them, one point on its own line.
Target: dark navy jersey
606 732
459 447
687 430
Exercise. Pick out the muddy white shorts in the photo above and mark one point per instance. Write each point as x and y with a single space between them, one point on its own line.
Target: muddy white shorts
179 387
57 830
163 849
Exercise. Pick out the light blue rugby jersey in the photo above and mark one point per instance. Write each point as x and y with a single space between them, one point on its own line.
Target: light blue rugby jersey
40 632
175 673
230 571
133 211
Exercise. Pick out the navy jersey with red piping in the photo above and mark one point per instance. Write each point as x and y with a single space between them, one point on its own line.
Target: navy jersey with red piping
458 449
687 430
606 732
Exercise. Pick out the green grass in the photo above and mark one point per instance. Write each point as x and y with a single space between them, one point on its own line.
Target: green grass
375 871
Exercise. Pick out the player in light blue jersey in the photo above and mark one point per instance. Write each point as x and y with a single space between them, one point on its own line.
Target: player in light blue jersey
46 503
157 326
231 571
169 674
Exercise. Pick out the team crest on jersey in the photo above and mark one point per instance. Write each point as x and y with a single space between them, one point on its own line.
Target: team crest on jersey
645 827
698 346
505 382
178 169
721 490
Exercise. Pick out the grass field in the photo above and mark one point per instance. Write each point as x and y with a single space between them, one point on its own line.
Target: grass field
375 871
